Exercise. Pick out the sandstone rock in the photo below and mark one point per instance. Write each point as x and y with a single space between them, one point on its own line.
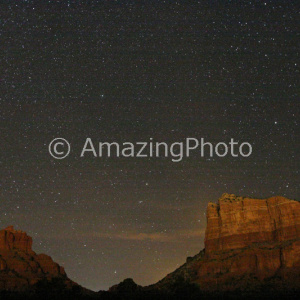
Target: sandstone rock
15 239
237 222
20 266
250 244
48 266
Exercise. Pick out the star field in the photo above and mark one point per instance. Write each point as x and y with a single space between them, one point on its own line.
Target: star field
133 71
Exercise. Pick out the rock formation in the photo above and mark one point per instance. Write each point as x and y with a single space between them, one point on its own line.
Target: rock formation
20 267
250 244
237 222
15 239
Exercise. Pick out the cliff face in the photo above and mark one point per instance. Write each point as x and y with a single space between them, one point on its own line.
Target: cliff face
20 267
249 244
15 239
237 222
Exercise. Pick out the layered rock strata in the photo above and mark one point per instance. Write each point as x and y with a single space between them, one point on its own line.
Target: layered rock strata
249 244
237 222
20 267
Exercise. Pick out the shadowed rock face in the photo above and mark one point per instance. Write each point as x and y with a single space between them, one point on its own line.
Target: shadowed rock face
20 267
249 244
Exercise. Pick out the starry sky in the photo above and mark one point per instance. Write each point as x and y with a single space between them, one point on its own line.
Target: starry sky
131 71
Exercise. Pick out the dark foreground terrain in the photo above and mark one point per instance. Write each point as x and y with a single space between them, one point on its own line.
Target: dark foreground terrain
252 251
56 291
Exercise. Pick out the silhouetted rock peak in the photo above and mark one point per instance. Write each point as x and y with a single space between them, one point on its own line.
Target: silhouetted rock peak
127 286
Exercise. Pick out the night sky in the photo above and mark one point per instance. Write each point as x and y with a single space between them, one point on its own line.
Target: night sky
130 71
